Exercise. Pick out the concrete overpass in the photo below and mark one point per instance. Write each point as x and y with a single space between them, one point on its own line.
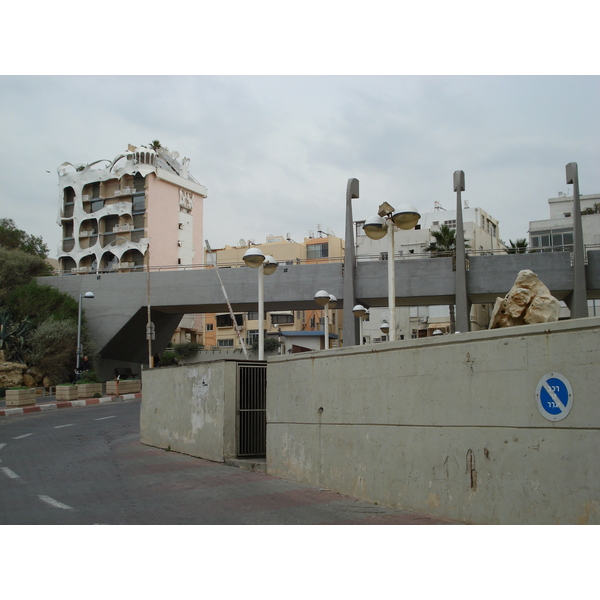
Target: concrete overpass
117 315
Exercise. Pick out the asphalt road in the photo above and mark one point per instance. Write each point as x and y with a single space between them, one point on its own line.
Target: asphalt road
85 465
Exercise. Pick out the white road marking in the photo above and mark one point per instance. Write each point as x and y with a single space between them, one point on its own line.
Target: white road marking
2 446
67 425
102 418
9 473
20 437
55 503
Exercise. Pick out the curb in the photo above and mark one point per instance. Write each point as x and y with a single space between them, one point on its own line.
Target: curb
5 412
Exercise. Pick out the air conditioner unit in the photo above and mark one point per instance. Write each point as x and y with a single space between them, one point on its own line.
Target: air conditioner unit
74 270
126 191
118 192
86 197
125 265
84 269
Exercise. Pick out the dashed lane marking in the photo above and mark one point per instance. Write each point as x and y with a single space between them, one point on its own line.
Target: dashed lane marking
67 425
2 446
9 473
102 418
20 437
55 503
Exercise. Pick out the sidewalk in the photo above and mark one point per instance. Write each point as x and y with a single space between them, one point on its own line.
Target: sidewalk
44 403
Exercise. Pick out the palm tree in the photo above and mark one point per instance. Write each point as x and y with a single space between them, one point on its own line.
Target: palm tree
444 244
518 247
155 145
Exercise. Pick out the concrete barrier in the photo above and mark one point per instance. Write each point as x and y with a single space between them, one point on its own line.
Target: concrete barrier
191 409
447 425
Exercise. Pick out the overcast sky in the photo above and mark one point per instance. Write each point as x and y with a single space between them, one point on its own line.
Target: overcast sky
275 151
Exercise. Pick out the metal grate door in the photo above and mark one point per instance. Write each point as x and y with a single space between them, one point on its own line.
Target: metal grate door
251 409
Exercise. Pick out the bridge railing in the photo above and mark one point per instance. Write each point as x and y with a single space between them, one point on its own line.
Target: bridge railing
400 255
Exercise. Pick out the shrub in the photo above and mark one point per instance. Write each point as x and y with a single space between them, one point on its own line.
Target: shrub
53 348
271 343
187 349
89 377
167 359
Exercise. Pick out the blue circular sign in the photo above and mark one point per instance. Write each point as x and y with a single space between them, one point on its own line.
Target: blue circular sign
554 396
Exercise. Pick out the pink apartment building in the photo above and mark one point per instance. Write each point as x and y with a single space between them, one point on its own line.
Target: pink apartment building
141 208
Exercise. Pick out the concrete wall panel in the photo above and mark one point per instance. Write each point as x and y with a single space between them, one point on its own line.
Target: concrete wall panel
446 425
190 409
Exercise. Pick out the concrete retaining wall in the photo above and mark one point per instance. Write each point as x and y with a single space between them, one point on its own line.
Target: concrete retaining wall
191 409
447 425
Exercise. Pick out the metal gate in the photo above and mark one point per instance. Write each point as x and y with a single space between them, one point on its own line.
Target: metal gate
251 409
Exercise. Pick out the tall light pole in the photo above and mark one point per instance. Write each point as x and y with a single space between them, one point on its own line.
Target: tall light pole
385 222
266 265
350 321
462 299
81 297
578 299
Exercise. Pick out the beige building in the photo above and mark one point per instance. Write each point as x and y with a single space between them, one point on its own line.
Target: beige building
219 330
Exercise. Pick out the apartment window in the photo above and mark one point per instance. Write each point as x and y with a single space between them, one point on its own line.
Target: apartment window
139 204
451 223
253 316
252 337
228 343
317 251
383 256
210 327
282 319
553 241
225 320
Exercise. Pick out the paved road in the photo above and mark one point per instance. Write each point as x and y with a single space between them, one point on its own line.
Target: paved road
85 465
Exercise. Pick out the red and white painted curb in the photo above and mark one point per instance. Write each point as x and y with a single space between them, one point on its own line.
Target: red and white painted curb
5 412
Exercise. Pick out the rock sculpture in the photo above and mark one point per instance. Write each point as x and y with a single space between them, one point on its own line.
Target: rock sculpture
529 301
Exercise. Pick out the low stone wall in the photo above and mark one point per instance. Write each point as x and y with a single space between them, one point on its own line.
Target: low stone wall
191 409
447 425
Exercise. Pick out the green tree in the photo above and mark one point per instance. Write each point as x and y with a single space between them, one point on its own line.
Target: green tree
41 302
518 247
12 238
444 244
17 268
155 145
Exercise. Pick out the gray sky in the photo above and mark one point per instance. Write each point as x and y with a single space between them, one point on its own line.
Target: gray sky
276 151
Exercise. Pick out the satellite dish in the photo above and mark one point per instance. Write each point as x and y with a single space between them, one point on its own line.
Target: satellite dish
175 154
242 242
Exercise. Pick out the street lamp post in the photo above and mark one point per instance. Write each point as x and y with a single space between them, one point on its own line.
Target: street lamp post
350 333
326 300
266 265
361 313
578 304
81 296
406 217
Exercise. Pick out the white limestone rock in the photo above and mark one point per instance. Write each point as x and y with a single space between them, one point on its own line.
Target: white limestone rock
529 301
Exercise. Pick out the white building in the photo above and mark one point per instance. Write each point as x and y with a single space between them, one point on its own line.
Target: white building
556 233
482 236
